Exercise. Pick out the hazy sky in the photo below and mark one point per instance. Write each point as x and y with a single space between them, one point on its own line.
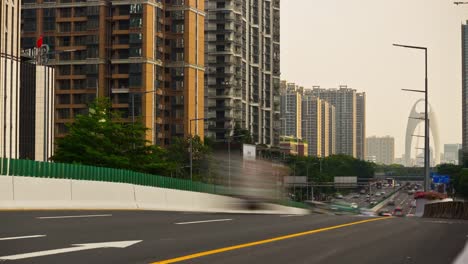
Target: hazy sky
349 42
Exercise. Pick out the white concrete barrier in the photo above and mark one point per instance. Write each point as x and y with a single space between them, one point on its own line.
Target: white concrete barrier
46 193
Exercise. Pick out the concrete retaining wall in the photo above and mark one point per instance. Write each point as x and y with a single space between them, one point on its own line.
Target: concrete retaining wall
45 193
450 210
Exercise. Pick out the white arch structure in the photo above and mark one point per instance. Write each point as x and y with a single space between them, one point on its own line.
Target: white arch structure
415 118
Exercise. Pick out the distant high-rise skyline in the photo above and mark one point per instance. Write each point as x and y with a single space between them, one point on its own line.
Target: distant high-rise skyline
381 148
291 109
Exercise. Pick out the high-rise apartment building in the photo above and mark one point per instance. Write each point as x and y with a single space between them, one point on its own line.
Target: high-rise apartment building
361 125
291 110
243 68
10 21
146 55
464 33
328 128
312 124
381 149
451 153
36 133
346 106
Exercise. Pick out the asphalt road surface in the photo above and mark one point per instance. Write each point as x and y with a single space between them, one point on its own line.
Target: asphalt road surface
178 237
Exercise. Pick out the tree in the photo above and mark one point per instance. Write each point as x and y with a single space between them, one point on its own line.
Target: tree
101 138
463 183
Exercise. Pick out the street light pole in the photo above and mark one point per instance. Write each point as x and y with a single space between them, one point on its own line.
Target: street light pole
426 116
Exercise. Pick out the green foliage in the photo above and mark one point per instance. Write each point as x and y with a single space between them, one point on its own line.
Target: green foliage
398 170
101 138
179 153
462 187
325 169
242 135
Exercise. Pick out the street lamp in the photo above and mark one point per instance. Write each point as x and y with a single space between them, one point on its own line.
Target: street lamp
132 94
191 145
426 115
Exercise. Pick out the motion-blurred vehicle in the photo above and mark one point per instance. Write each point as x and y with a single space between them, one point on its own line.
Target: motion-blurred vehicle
384 212
398 212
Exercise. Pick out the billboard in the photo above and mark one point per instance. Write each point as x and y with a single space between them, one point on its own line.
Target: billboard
249 151
345 181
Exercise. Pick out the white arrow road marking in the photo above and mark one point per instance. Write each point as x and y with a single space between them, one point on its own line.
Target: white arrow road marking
205 221
77 247
21 237
72 216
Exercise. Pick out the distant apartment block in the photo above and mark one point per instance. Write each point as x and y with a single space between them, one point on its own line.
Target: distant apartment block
10 21
291 109
464 99
312 124
382 149
328 133
243 68
350 114
294 146
147 56
451 152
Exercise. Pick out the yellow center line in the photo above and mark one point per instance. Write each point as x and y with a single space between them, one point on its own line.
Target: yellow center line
260 242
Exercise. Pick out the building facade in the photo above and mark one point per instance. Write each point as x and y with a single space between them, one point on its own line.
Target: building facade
381 149
291 110
464 35
312 124
360 125
243 68
345 102
147 56
293 146
36 133
10 21
451 153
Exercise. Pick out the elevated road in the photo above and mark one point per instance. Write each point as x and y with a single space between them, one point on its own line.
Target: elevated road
178 237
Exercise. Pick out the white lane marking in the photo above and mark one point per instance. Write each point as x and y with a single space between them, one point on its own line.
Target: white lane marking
290 215
21 237
76 247
204 221
72 216
462 257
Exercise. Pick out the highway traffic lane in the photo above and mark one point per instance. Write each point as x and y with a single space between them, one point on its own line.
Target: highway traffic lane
160 240
399 240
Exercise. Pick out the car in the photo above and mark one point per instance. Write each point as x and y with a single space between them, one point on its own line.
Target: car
373 202
377 194
397 185
413 204
391 202
398 212
356 196
384 212
339 196
368 196
354 205
410 192
362 191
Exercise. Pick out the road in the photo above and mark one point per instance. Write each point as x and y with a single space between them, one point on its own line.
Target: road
362 202
151 237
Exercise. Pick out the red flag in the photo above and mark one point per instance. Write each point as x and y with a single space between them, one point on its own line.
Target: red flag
39 42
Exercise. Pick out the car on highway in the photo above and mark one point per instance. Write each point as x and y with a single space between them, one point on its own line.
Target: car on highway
382 193
410 192
362 191
354 205
398 212
339 196
377 194
391 202
356 196
384 212
373 202
413 204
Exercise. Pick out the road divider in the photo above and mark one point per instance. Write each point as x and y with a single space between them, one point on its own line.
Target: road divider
30 193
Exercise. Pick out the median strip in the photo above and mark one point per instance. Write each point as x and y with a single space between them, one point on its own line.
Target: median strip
21 237
260 242
204 221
